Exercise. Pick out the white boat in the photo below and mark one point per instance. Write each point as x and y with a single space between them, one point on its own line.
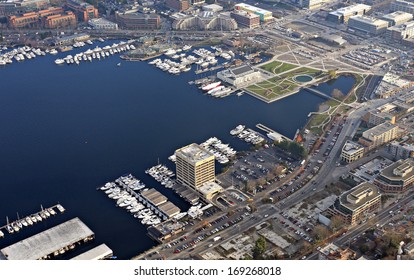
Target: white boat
8 226
237 129
187 47
222 92
29 221
170 52
59 61
210 86
216 89
60 208
1 233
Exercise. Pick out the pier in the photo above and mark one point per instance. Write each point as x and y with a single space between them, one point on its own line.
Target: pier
49 243
271 133
17 225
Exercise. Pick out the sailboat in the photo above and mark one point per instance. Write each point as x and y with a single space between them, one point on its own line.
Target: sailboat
9 227
119 64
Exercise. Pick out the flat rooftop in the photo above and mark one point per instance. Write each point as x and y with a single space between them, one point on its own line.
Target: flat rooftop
378 130
352 147
369 20
400 170
193 153
154 196
403 26
210 187
48 241
169 209
349 10
359 195
253 8
98 253
397 15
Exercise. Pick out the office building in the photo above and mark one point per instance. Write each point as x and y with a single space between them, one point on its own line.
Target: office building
342 15
82 10
312 4
102 24
401 150
178 5
368 24
400 32
397 18
352 151
396 178
33 19
379 135
357 204
245 19
403 6
138 21
194 166
66 19
381 115
264 15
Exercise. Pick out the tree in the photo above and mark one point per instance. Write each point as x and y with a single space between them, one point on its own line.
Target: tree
321 232
259 248
336 222
332 74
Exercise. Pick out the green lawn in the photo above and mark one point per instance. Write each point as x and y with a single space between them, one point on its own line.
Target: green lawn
277 67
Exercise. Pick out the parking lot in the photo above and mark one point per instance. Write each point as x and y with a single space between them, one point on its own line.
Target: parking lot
260 167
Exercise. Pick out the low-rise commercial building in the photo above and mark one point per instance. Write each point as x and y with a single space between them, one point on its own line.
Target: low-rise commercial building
400 32
381 115
367 24
264 15
138 21
379 135
358 204
397 177
239 76
246 19
352 151
397 18
212 8
210 189
403 6
401 150
52 17
342 15
102 24
312 4
178 5
83 11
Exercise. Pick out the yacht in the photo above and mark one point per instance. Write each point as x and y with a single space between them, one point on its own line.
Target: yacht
59 61
187 47
1 233
51 211
237 130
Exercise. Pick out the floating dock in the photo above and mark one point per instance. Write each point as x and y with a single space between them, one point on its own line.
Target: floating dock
270 132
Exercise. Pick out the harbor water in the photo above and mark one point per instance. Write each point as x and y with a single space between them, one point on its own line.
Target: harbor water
66 130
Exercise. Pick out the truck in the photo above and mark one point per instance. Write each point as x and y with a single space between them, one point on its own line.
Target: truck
217 238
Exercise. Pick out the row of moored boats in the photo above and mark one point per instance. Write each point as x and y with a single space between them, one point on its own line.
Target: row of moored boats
222 152
178 61
216 89
247 135
118 191
20 223
96 53
162 174
19 54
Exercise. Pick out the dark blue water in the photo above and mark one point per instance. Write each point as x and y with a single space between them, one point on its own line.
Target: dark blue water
66 130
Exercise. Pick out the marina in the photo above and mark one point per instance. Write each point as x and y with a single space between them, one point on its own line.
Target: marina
109 105
247 135
20 54
16 225
146 204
